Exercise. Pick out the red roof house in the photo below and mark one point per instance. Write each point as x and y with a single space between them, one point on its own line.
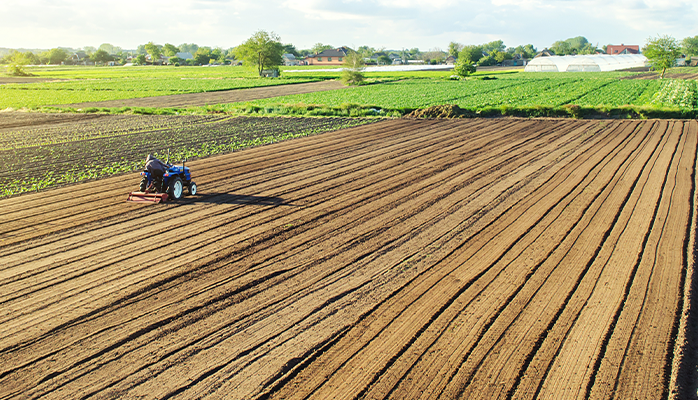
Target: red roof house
622 49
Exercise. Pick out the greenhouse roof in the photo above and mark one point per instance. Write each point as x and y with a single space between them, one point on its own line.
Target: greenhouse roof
586 63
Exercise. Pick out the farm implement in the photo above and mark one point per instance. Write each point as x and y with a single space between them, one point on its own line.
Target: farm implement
175 179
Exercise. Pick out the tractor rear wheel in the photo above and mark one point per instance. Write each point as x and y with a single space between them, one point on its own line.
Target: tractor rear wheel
144 184
175 188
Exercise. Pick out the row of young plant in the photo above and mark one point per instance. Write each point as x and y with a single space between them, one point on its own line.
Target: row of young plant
96 128
32 168
35 95
523 94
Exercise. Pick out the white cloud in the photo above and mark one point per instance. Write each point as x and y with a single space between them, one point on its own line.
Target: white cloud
391 23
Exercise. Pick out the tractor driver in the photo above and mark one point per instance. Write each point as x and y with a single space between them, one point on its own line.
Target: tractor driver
157 169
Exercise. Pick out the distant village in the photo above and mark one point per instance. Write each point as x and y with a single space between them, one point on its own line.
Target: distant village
489 54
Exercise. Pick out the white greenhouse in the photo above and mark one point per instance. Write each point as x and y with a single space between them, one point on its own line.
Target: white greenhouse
587 63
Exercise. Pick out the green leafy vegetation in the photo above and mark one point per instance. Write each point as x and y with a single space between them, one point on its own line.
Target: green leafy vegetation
35 159
89 90
524 93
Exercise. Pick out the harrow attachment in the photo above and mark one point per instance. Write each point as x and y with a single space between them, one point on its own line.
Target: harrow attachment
147 197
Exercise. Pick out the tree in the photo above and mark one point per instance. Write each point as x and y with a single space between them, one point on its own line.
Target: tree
110 49
384 60
434 55
487 61
365 51
689 46
218 55
261 51
526 52
140 59
588 48
561 48
190 48
353 64
101 56
497 45
154 50
291 49
169 50
32 58
575 45
56 56
500 56
464 67
662 52
17 62
470 53
203 56
454 49
319 48
530 51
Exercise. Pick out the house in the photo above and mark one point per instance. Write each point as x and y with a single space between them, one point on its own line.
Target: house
185 55
622 49
328 57
162 60
78 57
450 60
517 61
290 60
544 53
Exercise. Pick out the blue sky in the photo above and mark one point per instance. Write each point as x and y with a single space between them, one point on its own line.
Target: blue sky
393 24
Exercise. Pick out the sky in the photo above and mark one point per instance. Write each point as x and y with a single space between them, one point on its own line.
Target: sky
390 24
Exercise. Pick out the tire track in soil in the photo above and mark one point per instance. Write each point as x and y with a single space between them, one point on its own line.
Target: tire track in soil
409 242
392 323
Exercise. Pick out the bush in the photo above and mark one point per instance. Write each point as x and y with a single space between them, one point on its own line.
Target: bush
464 68
353 68
17 62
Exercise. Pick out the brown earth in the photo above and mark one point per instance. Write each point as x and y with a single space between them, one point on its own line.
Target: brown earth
19 119
442 111
404 259
220 97
657 75
4 80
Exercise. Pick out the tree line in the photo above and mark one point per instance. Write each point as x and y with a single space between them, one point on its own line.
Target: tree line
264 50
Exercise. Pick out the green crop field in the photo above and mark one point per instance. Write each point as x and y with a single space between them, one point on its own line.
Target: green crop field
79 85
502 92
389 94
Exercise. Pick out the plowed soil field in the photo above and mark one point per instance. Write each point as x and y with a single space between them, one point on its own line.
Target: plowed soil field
219 97
470 259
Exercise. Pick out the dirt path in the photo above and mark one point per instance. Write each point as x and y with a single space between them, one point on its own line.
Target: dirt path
4 80
404 259
17 119
220 97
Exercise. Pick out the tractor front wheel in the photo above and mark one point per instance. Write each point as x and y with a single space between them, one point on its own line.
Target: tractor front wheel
176 188
192 188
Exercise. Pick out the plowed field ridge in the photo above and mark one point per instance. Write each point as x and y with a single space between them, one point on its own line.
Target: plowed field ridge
402 259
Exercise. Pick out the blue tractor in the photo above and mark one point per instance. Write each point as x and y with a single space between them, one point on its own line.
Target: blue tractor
175 180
